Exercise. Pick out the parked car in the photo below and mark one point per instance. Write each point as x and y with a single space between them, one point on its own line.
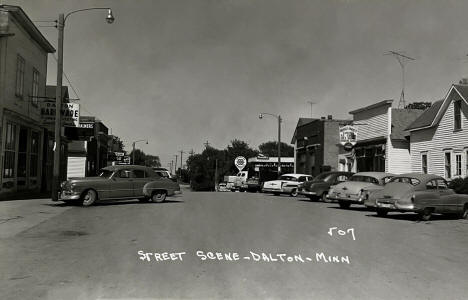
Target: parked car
222 187
286 184
163 172
424 194
318 187
251 185
119 182
353 190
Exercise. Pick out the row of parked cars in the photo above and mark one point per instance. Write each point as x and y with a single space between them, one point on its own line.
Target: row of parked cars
424 194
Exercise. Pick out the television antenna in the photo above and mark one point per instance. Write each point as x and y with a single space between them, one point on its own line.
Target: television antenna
402 59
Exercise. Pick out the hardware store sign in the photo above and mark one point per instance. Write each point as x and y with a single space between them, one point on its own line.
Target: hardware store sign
70 113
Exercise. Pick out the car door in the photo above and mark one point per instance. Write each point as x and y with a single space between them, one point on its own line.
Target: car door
121 185
141 177
447 202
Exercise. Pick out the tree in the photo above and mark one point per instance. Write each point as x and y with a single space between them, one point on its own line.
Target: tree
143 159
419 105
271 149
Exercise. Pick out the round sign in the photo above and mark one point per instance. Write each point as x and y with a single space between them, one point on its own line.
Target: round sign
240 162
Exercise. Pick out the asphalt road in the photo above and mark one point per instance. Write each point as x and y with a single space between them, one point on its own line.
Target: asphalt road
93 252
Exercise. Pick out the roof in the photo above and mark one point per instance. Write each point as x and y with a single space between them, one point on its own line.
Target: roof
307 121
372 106
421 177
401 118
133 167
270 160
377 175
432 116
19 14
426 118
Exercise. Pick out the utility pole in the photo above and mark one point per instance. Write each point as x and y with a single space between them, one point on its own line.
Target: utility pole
402 59
172 163
207 144
191 152
175 166
216 174
181 152
311 103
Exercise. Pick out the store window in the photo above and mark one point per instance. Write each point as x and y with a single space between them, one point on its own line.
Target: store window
34 154
448 165
457 115
424 163
35 87
22 151
10 150
19 76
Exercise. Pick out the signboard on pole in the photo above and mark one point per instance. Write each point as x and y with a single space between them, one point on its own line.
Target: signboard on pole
240 162
348 136
70 113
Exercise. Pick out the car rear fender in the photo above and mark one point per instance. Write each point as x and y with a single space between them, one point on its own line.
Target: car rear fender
151 186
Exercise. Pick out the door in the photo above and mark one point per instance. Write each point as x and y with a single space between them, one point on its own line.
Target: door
140 178
121 185
22 159
448 200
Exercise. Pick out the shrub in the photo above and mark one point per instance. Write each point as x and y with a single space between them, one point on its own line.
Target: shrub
459 185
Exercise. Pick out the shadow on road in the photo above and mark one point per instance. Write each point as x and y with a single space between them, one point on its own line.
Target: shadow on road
352 208
415 217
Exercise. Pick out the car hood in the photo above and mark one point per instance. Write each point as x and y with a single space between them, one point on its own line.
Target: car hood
85 179
352 187
396 190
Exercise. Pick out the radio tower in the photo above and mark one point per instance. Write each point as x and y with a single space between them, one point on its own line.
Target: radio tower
402 59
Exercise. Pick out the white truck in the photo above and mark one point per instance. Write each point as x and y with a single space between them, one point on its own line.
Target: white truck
235 182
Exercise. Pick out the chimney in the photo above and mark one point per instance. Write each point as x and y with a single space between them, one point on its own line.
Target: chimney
322 118
330 117
463 81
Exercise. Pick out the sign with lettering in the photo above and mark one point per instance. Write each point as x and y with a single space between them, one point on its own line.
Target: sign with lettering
240 162
70 113
348 136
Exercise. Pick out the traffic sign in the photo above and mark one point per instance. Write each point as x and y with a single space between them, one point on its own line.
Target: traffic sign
240 162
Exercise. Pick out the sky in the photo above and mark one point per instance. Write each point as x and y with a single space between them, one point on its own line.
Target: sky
183 72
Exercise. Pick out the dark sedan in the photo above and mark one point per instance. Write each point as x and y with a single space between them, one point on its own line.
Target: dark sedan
319 186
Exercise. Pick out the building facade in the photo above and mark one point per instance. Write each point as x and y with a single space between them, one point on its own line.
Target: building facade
439 137
381 145
23 71
317 145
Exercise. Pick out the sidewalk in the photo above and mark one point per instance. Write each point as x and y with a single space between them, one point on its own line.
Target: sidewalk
17 216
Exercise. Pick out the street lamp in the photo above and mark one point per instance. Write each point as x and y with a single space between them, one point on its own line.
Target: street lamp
58 94
260 116
133 146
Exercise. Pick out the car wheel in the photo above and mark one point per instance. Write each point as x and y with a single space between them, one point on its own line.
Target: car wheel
158 196
325 199
465 212
344 205
426 214
382 212
294 193
89 197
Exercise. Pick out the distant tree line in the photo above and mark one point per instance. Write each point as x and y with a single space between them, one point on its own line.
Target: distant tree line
202 167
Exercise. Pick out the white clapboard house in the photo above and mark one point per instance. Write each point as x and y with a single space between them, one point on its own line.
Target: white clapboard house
381 143
439 137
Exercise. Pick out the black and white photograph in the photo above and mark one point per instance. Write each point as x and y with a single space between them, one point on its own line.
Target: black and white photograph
233 149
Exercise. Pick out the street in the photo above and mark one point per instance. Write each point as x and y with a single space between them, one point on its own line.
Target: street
73 252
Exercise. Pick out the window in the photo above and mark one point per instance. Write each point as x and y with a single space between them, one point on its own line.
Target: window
457 115
34 154
362 178
458 164
409 180
385 180
448 165
10 150
123 174
19 76
340 178
22 152
442 184
139 173
35 87
431 185
424 163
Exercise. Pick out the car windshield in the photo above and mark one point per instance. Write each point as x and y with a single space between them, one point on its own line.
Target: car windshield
362 178
289 178
105 173
409 180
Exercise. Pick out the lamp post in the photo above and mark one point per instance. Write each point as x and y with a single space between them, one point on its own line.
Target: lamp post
58 94
133 146
260 116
